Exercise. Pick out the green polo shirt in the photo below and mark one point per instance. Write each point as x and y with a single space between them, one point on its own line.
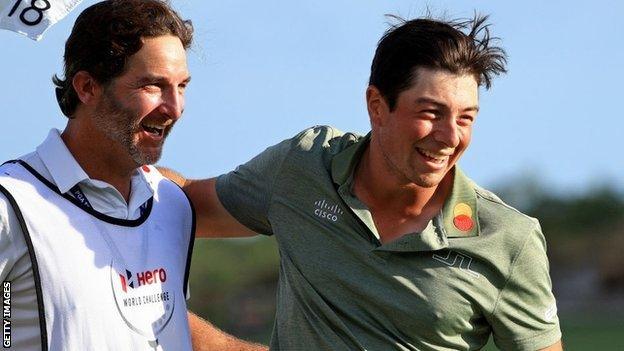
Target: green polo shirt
479 268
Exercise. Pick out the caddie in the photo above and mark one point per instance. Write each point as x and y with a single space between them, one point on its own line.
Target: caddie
94 243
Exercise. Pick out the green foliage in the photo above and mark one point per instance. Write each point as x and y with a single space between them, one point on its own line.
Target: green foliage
566 215
593 211
232 284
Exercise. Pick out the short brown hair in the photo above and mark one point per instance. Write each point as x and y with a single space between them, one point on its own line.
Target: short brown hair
459 46
106 34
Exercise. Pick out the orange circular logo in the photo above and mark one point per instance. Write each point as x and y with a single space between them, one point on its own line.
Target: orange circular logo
462 219
463 223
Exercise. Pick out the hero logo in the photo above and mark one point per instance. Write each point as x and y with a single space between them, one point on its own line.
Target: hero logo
327 210
142 278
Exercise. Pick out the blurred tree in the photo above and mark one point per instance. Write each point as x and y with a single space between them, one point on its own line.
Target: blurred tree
583 229
233 284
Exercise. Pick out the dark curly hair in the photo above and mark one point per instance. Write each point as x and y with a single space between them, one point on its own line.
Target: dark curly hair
106 34
459 46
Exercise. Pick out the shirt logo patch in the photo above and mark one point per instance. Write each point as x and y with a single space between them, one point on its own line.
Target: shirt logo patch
462 217
327 210
456 259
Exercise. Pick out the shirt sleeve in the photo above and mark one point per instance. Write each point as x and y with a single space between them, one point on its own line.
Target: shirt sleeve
525 317
247 191
9 228
16 268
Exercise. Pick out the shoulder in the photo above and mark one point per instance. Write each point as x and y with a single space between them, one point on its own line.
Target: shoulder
513 227
323 138
500 208
161 185
29 158
5 208
168 196
17 168
11 237
164 189
7 167
311 148
13 182
9 178
315 147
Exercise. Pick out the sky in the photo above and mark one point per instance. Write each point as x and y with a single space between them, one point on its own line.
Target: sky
264 70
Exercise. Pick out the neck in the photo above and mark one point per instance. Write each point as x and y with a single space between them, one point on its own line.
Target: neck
99 156
383 190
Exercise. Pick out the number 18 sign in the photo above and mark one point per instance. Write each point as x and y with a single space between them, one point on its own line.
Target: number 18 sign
33 17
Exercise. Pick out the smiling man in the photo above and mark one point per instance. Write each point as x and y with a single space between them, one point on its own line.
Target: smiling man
385 243
95 243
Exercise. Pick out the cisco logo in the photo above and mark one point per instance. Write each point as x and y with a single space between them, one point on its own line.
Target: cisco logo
327 210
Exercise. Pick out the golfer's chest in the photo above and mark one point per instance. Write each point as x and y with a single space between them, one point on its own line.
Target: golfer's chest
444 290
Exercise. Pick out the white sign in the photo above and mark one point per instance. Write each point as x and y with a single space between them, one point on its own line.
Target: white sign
33 17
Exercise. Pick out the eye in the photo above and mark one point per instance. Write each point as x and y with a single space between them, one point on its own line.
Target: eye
466 120
429 114
151 86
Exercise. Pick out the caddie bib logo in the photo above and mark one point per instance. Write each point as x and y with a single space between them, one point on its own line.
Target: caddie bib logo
145 299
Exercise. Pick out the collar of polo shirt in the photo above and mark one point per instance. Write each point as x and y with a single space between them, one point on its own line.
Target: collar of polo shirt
457 219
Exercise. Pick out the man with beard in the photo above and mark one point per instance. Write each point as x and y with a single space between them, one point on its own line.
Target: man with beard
385 243
94 242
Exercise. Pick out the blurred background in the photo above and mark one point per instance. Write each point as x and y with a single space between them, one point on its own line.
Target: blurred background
548 138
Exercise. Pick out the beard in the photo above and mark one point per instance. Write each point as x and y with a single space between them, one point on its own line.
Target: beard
121 125
405 165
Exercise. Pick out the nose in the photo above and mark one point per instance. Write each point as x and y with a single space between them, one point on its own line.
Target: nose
172 103
447 132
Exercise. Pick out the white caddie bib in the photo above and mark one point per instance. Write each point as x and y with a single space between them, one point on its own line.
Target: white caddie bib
104 283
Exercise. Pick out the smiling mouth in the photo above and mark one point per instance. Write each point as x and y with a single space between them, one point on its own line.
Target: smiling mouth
432 156
156 129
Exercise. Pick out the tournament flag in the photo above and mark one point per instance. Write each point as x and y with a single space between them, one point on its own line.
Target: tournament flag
33 17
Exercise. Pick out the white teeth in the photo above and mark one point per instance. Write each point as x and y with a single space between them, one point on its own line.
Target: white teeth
436 156
159 126
153 126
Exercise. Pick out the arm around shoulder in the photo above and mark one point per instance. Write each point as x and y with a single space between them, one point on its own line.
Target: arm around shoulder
213 220
237 203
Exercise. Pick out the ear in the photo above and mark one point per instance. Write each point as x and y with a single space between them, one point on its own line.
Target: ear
86 87
377 106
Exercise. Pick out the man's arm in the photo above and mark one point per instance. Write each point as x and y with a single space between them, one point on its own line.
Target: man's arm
9 228
247 193
213 220
558 346
525 317
207 337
